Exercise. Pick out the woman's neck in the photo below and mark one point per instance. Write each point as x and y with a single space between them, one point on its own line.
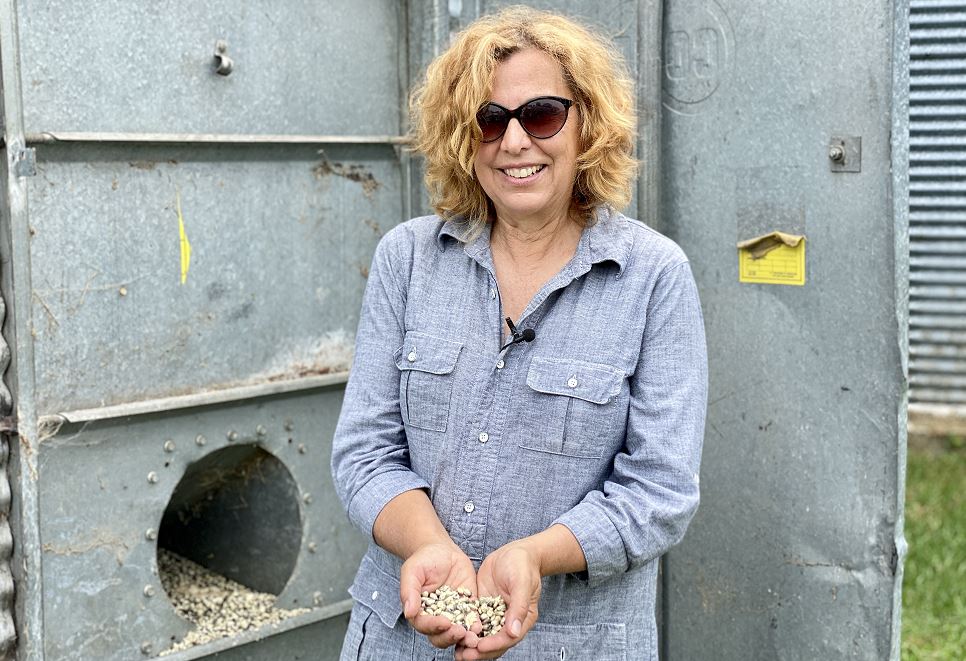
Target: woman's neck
527 241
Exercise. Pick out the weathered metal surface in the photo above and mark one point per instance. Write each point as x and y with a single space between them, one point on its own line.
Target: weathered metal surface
98 558
938 205
795 552
195 249
131 67
280 239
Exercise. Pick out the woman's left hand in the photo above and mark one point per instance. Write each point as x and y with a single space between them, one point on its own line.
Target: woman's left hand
513 572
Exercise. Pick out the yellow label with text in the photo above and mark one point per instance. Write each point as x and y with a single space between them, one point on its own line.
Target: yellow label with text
782 266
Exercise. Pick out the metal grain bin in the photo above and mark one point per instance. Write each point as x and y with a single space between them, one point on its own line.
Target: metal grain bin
191 196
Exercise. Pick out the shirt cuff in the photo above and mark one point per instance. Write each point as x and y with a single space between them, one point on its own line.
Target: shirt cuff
599 539
373 496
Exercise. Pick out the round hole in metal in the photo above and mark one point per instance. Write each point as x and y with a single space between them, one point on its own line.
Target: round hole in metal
236 512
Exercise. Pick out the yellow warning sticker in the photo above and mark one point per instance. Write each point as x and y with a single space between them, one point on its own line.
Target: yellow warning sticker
782 265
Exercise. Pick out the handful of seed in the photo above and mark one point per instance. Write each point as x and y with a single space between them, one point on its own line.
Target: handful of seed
456 606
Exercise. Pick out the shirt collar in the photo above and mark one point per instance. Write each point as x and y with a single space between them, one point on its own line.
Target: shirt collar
607 239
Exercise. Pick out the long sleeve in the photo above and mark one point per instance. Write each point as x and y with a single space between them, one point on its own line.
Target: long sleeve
648 500
370 453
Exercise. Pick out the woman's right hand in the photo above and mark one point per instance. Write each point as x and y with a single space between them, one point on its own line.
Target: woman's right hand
429 567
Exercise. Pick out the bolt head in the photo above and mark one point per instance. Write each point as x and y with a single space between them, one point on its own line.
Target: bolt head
151 534
146 647
260 430
149 591
302 448
169 446
232 436
153 477
200 440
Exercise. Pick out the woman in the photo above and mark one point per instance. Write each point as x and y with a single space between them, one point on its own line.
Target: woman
550 458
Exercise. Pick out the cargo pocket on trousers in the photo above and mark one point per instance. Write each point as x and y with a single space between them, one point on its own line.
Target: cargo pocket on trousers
577 405
564 642
426 365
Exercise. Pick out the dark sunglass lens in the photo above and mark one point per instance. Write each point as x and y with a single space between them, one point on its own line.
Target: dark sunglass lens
543 118
492 120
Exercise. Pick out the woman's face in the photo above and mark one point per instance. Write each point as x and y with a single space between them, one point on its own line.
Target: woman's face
503 167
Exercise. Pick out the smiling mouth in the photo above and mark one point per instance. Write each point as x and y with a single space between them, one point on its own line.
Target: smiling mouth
523 173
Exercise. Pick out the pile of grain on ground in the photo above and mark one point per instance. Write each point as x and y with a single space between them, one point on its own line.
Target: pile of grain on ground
218 606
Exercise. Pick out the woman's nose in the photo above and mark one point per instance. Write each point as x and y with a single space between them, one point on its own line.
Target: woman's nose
515 139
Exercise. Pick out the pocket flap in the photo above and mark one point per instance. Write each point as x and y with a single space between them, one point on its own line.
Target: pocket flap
426 353
378 591
591 382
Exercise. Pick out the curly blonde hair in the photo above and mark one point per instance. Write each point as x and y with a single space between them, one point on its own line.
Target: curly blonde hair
459 82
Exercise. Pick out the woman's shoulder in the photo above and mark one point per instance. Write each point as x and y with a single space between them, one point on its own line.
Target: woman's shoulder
408 240
645 250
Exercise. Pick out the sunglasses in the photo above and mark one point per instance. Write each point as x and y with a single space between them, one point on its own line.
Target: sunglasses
542 117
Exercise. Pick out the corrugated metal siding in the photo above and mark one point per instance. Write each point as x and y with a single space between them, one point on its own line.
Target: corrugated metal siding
937 219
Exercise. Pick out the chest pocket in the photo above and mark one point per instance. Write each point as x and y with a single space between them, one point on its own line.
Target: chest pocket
426 365
576 406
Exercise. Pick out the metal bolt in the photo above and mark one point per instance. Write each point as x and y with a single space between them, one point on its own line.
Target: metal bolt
151 534
146 648
307 498
149 591
289 426
169 445
260 430
316 598
153 477
302 448
200 440
836 153
232 436
313 547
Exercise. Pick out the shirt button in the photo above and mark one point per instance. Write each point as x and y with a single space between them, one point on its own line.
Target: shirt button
500 364
572 382
469 506
375 595
484 437
411 357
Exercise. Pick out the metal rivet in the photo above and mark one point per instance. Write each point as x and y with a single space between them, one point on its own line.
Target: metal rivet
313 547
316 598
153 477
146 647
200 440
169 446
260 430
307 498
232 436
289 426
149 591
151 534
302 448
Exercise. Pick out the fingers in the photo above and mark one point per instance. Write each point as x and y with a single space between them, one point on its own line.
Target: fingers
453 634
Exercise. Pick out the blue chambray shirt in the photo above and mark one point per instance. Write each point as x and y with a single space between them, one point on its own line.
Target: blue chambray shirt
596 424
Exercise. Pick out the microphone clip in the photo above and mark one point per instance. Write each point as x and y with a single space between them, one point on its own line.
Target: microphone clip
525 335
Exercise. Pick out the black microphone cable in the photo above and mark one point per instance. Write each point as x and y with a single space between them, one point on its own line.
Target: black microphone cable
525 335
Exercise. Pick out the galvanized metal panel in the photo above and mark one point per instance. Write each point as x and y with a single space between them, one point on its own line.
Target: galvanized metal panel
938 206
281 239
98 502
795 551
299 67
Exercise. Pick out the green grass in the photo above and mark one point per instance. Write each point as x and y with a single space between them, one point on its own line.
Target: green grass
934 589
